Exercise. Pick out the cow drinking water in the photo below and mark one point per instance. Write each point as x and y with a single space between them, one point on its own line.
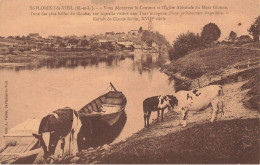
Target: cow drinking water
198 99
58 132
155 103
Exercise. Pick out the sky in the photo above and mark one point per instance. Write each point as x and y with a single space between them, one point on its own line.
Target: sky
16 18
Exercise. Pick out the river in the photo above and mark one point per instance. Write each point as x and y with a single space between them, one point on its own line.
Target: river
37 89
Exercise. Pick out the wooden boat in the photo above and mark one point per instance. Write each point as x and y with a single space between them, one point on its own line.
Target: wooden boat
107 107
20 146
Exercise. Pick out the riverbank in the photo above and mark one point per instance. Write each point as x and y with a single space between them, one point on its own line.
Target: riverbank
233 138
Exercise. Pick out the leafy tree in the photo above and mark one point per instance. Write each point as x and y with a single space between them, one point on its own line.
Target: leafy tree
84 43
210 33
244 39
58 39
23 38
108 46
18 37
232 36
183 44
254 29
94 44
73 41
62 44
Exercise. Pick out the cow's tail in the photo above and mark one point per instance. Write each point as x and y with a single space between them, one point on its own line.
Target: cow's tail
221 94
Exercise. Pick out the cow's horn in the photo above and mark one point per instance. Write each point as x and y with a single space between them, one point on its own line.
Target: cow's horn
37 136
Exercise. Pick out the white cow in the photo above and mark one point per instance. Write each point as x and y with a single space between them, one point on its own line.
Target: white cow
196 100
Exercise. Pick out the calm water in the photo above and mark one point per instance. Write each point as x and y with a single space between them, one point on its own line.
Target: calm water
43 86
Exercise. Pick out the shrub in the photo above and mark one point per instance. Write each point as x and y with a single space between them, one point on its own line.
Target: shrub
193 70
244 39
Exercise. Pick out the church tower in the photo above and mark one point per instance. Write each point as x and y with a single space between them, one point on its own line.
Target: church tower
150 25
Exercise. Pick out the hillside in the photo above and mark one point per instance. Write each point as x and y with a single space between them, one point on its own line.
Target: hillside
232 141
200 62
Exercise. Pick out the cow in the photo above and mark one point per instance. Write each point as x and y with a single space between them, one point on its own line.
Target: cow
155 103
58 133
198 99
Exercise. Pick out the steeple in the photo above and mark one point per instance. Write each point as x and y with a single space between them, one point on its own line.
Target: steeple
150 25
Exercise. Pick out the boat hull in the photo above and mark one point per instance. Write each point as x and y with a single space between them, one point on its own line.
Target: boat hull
108 108
111 119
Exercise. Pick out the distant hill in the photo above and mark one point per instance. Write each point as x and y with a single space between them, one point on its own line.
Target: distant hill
149 37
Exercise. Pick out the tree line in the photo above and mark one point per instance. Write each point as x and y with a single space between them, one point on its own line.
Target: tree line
210 34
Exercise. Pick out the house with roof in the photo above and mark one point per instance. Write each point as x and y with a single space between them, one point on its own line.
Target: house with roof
34 35
133 32
126 43
109 33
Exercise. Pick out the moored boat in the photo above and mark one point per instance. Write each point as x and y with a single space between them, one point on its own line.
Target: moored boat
107 107
20 146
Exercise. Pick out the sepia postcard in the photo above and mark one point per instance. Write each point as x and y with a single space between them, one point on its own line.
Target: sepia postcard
129 81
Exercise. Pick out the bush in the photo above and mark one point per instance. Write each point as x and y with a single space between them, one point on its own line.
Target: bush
184 44
244 39
193 70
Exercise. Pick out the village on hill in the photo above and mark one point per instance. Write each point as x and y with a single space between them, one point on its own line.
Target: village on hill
111 41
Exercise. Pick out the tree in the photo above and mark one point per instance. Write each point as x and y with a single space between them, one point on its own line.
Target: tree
94 44
73 41
254 29
17 37
210 33
232 36
62 44
244 39
183 44
84 43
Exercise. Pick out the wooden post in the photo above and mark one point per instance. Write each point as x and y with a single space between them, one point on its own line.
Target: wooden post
198 82
113 86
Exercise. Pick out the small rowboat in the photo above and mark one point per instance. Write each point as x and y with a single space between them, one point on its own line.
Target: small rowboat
20 146
107 107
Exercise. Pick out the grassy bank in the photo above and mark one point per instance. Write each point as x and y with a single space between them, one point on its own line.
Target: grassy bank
212 62
198 63
253 95
233 141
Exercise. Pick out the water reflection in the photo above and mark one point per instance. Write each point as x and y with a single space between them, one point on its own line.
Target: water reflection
141 62
97 132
